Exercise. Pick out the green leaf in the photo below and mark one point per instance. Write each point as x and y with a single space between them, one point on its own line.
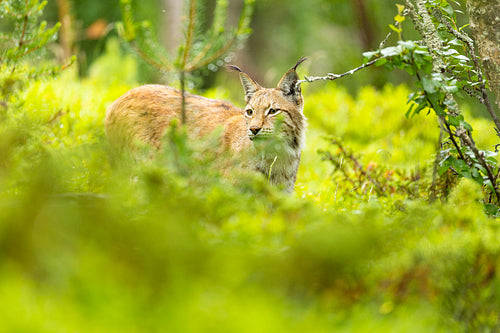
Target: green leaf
407 44
380 61
389 66
463 27
369 55
491 209
459 165
448 9
466 173
429 84
442 169
408 113
410 70
395 29
466 125
461 57
449 52
398 18
487 182
391 51
455 121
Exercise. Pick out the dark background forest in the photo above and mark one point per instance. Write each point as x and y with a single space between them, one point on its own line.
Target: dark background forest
282 32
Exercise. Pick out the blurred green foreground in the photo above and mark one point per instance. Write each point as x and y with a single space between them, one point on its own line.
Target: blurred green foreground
95 242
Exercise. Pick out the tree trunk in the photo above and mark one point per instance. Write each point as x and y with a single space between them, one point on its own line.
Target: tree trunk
484 16
365 24
171 32
66 37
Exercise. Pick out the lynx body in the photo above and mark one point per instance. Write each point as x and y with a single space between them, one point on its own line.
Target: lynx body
267 136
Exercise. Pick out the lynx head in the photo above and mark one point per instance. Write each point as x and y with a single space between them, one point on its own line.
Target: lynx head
275 111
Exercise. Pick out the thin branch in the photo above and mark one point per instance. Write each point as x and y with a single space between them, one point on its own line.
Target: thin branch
465 137
452 138
190 34
155 64
359 166
389 34
193 64
331 76
53 71
183 97
227 46
7 38
21 40
384 41
432 189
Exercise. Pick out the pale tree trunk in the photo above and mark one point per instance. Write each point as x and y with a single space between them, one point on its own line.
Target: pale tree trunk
66 36
484 16
171 32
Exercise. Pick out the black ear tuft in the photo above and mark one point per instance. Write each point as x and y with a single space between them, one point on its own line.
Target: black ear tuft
233 68
288 83
301 60
249 85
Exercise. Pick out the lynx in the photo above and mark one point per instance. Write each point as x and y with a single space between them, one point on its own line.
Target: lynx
267 135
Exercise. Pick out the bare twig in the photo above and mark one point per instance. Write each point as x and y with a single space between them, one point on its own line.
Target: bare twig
467 139
331 76
396 24
433 195
358 166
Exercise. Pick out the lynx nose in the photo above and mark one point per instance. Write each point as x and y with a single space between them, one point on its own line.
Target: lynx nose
254 129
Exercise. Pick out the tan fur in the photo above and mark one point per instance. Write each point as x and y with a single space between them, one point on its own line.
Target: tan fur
266 140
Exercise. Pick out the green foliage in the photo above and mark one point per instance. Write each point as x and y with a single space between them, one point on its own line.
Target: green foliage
444 63
25 38
202 46
28 35
92 240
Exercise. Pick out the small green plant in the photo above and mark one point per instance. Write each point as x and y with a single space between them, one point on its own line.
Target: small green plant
26 40
203 46
373 179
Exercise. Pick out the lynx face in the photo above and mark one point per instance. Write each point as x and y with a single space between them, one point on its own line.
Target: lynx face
276 112
261 115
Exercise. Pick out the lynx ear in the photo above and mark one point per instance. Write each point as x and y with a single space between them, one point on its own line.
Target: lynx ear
288 83
249 85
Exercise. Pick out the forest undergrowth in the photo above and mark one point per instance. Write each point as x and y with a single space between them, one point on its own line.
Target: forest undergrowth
94 241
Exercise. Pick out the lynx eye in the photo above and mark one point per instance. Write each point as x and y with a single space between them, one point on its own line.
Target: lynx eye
273 111
249 112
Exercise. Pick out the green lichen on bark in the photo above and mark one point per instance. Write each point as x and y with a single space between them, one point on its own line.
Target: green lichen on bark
484 18
424 25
